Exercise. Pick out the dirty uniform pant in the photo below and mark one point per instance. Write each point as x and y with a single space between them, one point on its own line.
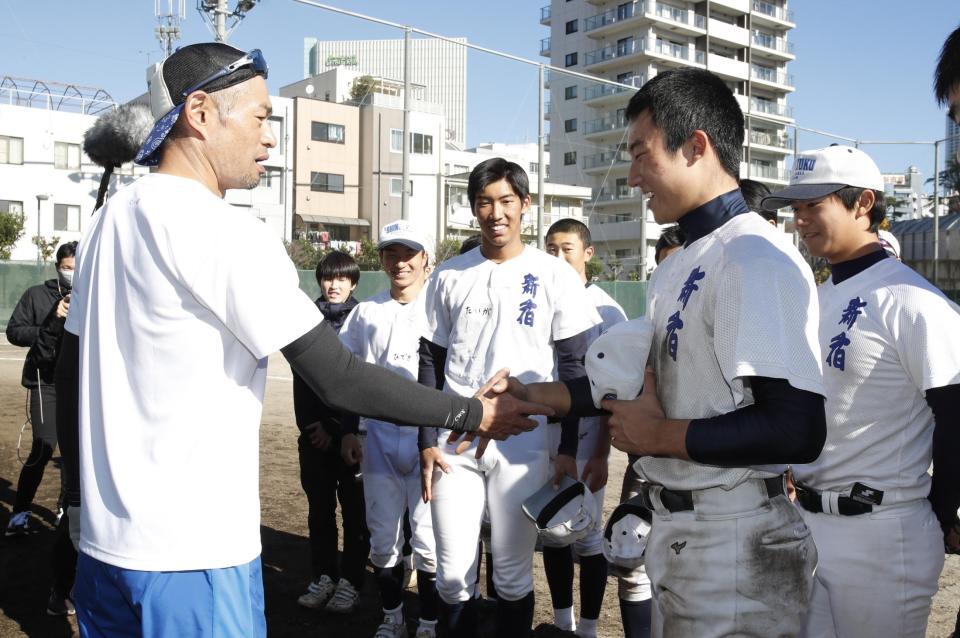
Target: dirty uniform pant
740 564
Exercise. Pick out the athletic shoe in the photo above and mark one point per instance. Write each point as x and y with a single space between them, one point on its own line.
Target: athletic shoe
19 525
390 629
60 605
344 599
427 631
318 593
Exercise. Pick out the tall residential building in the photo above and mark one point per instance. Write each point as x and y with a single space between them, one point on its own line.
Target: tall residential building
439 66
952 133
743 41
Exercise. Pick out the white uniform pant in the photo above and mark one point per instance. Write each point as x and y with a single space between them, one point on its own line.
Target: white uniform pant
507 473
740 564
878 572
391 486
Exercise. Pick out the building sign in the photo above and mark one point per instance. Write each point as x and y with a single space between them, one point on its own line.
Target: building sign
341 60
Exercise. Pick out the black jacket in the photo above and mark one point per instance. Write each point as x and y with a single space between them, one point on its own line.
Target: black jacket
307 406
34 324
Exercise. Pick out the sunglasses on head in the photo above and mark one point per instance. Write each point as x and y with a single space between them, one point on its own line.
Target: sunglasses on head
254 58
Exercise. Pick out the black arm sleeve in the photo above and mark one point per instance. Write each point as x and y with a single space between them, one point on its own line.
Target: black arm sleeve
22 328
945 488
348 384
783 425
67 382
433 362
48 338
570 355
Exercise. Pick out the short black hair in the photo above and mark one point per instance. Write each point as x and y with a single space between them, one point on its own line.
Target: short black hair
670 237
685 100
850 195
753 193
469 243
68 249
947 75
570 225
338 264
493 170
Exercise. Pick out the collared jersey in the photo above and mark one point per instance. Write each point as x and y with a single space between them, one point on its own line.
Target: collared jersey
736 303
491 316
886 337
178 300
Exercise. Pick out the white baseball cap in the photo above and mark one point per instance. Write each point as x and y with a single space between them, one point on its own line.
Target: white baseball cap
824 171
406 233
625 536
889 242
563 515
617 359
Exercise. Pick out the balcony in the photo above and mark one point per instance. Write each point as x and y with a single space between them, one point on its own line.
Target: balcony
765 173
729 34
605 23
765 107
728 67
679 52
598 94
605 160
779 47
617 195
773 139
545 47
545 15
688 21
767 10
772 76
631 47
607 128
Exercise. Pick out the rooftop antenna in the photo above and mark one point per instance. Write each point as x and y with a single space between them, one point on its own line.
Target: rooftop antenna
215 14
169 30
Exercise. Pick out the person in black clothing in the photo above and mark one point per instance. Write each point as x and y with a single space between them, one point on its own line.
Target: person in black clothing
324 475
37 323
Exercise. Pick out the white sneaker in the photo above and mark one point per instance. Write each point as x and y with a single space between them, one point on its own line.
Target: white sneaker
318 592
344 599
19 525
390 629
427 631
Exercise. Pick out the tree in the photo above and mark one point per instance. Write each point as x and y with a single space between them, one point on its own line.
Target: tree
303 254
362 87
949 183
11 230
46 247
369 257
594 268
447 248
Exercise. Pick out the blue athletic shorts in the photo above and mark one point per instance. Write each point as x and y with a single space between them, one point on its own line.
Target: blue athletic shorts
114 602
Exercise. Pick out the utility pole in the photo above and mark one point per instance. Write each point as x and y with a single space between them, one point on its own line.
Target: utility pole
541 168
169 30
216 12
405 183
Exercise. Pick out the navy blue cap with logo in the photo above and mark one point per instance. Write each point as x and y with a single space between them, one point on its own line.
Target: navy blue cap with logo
210 66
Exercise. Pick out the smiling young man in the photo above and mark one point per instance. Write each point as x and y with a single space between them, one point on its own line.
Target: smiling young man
504 305
890 344
385 330
736 392
178 300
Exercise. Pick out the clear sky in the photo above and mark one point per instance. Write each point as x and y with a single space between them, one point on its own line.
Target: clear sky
863 67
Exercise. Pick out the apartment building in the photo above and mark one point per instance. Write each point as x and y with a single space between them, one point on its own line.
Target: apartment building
743 41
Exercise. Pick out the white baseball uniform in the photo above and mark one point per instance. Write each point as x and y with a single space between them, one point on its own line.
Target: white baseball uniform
886 337
386 332
736 303
491 316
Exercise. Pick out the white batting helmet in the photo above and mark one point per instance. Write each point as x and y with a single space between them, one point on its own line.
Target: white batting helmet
617 359
563 515
625 536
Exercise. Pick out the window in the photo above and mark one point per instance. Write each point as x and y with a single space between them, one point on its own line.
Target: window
66 217
534 168
570 92
569 158
66 156
323 132
624 11
396 140
326 182
11 207
572 27
570 59
271 178
460 168
570 126
11 150
276 127
395 187
421 144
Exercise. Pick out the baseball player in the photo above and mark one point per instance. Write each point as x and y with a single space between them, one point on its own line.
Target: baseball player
385 330
570 240
890 345
736 390
500 305
178 299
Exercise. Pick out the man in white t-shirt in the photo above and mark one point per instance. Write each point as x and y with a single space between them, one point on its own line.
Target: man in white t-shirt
735 394
178 300
385 330
890 345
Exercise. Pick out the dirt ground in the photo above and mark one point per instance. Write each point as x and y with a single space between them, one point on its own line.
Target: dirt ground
24 562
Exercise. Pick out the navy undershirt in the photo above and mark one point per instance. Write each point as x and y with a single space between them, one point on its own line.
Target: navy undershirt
706 218
846 269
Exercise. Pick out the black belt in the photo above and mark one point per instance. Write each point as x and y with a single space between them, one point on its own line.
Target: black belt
811 500
682 500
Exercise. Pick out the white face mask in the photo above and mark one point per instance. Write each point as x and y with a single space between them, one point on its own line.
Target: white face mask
66 278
